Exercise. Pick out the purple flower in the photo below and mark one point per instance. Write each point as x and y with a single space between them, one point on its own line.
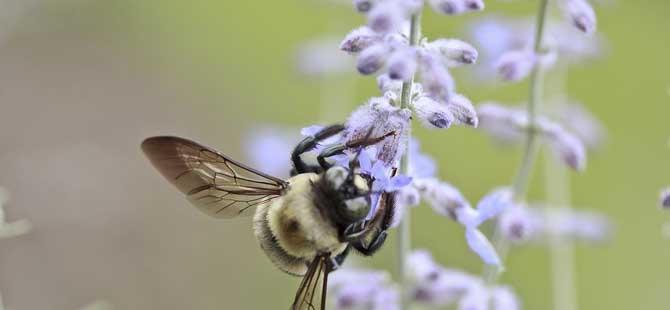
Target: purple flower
500 122
474 5
476 298
359 39
280 141
517 224
448 7
568 223
581 14
372 59
432 114
358 288
462 110
578 120
441 196
386 17
453 52
514 66
504 298
567 146
479 244
363 6
494 204
402 64
383 118
320 58
435 78
387 298
664 200
434 285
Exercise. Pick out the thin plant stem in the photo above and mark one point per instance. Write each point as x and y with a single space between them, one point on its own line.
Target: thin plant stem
404 228
558 196
531 146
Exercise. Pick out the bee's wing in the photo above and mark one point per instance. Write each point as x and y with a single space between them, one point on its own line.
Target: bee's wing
308 296
216 184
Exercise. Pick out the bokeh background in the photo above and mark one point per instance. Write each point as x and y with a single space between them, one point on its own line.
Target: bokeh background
82 82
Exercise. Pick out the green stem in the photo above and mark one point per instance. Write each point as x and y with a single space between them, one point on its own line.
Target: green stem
531 147
404 232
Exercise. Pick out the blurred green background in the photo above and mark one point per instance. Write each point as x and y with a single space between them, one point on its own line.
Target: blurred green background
83 82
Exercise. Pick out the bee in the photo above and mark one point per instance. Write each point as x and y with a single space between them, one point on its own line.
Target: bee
307 224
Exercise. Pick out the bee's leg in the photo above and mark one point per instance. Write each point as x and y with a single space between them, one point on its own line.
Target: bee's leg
381 227
374 245
339 148
355 231
338 260
308 144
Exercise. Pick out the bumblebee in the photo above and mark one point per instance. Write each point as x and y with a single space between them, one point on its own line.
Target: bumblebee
307 224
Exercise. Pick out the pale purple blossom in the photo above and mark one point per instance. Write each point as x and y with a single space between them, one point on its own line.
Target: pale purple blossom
493 204
436 79
581 122
479 244
383 118
372 59
363 6
402 64
501 123
544 222
504 298
432 114
434 285
566 146
281 141
476 298
386 17
320 57
359 39
664 200
580 13
352 288
448 7
515 65
387 298
462 110
421 165
453 52
518 224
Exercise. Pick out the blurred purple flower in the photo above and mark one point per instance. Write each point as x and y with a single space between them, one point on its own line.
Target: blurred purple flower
453 52
664 200
515 65
402 64
436 79
320 57
462 110
517 224
434 285
477 298
280 141
580 13
578 120
493 204
479 244
504 298
567 223
565 145
421 165
432 114
387 298
501 123
386 17
372 59
359 39
363 6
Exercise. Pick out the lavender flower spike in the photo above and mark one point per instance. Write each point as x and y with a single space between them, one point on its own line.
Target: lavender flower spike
402 64
665 198
436 80
386 17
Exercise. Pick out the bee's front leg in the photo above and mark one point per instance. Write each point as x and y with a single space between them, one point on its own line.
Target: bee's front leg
355 231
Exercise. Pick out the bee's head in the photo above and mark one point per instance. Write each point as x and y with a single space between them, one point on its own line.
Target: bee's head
353 189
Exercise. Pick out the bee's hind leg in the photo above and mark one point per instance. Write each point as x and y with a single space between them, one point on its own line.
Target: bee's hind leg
308 144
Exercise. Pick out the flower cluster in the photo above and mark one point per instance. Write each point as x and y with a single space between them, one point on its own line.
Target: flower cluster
431 284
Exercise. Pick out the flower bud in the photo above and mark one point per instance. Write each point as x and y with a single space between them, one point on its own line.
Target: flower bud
432 114
448 7
386 17
514 66
581 15
474 5
463 111
499 122
517 224
363 6
564 144
476 298
436 80
503 298
359 39
454 52
402 64
664 199
372 59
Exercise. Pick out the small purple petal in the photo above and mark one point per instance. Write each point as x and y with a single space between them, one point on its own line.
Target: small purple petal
664 200
479 244
398 182
310 130
493 204
503 298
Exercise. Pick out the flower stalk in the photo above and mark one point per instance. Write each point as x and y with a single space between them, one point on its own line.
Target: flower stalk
404 227
531 147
